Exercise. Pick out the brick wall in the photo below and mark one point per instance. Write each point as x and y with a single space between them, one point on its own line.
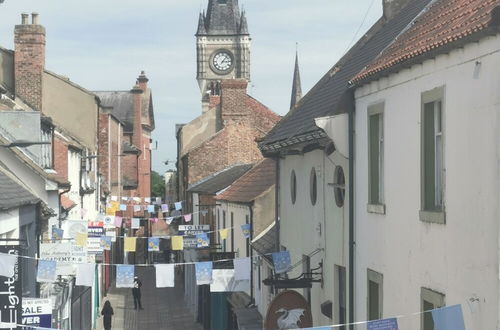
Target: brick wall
29 61
61 157
233 101
110 139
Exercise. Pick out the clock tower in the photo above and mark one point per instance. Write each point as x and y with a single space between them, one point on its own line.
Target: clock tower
222 47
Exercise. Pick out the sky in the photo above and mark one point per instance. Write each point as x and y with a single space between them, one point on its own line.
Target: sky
104 44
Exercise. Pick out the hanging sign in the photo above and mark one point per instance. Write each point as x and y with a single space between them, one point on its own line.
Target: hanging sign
11 292
288 310
37 312
95 231
193 229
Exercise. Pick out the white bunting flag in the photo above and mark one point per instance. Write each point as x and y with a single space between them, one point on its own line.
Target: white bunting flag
7 264
85 274
165 275
242 268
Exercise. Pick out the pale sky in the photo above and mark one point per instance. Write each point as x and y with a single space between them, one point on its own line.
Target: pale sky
104 44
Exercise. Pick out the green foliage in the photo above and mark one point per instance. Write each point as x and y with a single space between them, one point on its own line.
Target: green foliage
157 185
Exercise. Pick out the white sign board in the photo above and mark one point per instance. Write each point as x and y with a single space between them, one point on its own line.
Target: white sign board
66 254
194 227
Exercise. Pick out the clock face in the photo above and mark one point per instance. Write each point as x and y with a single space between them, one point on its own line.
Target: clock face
222 61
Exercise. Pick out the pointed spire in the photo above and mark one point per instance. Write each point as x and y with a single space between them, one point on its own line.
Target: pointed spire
223 17
202 30
243 24
297 86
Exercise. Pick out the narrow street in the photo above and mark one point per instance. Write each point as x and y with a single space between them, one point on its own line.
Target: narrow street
163 308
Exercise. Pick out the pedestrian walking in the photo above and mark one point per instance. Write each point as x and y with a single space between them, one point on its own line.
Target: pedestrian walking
136 292
107 312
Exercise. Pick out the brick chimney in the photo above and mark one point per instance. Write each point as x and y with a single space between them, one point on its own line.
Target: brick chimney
233 101
393 7
29 60
137 95
143 81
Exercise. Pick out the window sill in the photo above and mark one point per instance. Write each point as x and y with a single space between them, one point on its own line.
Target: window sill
376 208
433 217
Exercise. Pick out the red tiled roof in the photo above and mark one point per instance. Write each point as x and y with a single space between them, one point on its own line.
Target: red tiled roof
252 184
444 23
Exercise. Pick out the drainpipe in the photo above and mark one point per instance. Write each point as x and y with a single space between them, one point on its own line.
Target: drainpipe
252 301
352 242
276 197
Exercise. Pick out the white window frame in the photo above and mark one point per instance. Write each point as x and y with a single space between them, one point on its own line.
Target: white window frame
378 278
434 213
436 298
376 204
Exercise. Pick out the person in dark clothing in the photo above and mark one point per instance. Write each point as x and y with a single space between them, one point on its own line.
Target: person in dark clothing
107 312
136 292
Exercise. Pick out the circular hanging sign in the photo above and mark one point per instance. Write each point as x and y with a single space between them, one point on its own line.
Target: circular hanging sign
288 310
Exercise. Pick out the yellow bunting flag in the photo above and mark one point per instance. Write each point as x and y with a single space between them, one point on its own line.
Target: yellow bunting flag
223 233
177 243
130 244
81 239
110 211
115 206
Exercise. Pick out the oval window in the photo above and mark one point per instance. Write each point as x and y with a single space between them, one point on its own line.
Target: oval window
339 186
293 187
313 186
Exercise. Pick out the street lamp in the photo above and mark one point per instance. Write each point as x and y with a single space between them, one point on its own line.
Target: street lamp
22 143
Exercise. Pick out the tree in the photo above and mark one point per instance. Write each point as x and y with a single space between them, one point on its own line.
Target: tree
157 185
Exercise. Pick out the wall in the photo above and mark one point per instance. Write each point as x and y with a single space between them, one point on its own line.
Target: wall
234 144
72 108
322 226
460 258
264 210
7 68
198 130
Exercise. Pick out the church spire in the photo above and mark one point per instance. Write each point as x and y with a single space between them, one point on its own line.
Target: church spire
243 24
297 86
223 17
202 30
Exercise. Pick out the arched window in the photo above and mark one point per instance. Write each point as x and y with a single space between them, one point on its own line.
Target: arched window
339 186
293 187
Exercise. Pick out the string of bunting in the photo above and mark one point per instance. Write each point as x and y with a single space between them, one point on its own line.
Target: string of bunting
444 318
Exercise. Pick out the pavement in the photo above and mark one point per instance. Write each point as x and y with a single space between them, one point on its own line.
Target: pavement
164 308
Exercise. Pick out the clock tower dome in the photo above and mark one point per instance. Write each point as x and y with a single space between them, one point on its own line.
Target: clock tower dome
222 47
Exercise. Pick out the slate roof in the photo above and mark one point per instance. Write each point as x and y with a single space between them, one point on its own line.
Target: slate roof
220 180
222 18
13 193
330 94
122 106
445 24
252 184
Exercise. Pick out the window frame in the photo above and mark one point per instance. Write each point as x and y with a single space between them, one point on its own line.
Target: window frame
437 299
432 214
293 187
376 204
313 186
378 278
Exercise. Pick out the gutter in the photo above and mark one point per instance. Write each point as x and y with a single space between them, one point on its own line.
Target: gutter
276 207
250 208
352 242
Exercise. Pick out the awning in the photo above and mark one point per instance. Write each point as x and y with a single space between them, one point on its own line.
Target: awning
265 242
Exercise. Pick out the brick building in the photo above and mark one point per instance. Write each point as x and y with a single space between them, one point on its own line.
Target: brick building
126 123
239 120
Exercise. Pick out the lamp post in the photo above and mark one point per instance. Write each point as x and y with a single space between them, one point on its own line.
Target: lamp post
22 143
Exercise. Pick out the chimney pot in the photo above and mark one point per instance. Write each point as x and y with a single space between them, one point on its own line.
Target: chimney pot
24 18
34 18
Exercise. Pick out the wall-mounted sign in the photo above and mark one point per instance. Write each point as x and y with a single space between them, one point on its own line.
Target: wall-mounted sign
288 310
11 293
37 312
